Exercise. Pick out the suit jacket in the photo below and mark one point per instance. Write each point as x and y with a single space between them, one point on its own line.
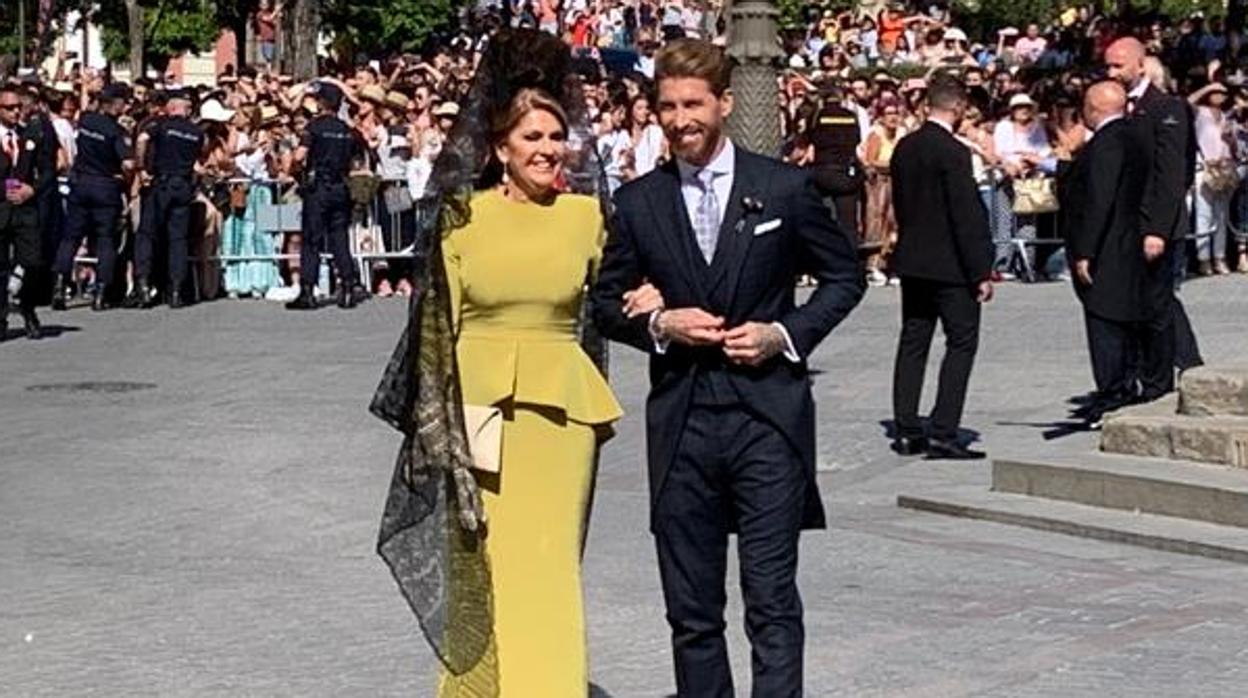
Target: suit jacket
22 169
1164 123
751 278
942 227
1100 194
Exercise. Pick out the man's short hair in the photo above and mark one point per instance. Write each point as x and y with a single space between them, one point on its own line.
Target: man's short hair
945 92
694 58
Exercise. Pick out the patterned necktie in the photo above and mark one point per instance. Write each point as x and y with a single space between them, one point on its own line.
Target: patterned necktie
706 227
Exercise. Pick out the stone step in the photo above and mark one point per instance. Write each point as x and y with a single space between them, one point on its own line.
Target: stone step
1209 391
1157 430
1143 530
1184 490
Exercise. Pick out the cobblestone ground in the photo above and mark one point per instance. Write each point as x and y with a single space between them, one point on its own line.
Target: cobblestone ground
208 530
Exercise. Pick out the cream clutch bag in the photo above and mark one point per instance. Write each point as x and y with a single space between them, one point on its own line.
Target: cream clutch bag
485 437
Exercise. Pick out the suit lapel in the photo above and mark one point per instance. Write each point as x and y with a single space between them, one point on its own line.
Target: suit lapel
675 229
736 234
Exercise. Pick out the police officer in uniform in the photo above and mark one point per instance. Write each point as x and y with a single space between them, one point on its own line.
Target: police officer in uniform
141 295
326 151
19 213
838 173
96 195
176 145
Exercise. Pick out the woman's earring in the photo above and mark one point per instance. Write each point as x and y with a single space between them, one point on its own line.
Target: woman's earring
506 179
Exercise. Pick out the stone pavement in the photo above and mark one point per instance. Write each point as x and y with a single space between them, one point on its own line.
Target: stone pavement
201 522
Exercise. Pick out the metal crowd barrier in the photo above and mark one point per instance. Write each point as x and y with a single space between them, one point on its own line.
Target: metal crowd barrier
1003 223
280 218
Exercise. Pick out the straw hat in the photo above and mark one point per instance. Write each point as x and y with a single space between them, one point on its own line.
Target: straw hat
1022 99
269 114
446 109
398 100
373 93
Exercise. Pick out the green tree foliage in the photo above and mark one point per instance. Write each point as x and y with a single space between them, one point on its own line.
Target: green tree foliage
10 37
169 27
982 18
395 25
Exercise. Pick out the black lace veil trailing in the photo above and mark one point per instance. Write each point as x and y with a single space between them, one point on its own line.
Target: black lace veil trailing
433 527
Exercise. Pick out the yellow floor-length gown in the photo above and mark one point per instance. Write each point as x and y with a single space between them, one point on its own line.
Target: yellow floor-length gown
517 273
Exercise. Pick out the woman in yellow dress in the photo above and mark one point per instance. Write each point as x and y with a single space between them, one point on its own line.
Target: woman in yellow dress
500 596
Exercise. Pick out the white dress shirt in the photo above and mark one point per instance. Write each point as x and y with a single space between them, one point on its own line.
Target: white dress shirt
723 168
10 139
1012 144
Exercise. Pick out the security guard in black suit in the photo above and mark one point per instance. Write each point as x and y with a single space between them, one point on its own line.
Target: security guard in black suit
96 195
327 150
176 145
944 259
50 159
1100 192
19 213
1163 123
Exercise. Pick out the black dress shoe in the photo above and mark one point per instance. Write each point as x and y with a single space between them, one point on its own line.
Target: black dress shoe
305 301
141 296
60 295
350 298
910 446
99 301
173 298
34 329
948 450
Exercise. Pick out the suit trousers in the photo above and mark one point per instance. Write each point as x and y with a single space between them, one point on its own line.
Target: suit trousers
1110 344
923 302
732 467
1157 333
19 244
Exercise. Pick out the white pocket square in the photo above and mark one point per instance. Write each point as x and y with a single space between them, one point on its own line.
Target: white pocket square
764 228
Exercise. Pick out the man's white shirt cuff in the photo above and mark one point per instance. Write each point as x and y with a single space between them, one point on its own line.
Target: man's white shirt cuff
660 343
790 352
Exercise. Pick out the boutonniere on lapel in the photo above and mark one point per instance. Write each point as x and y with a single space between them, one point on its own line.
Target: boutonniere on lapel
750 205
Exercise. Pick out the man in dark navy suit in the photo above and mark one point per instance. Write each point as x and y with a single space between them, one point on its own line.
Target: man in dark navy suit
723 234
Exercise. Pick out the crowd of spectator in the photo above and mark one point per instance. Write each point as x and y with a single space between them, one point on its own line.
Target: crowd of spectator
1026 84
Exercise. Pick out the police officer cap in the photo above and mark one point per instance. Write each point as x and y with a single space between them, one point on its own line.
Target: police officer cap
326 92
116 90
179 93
